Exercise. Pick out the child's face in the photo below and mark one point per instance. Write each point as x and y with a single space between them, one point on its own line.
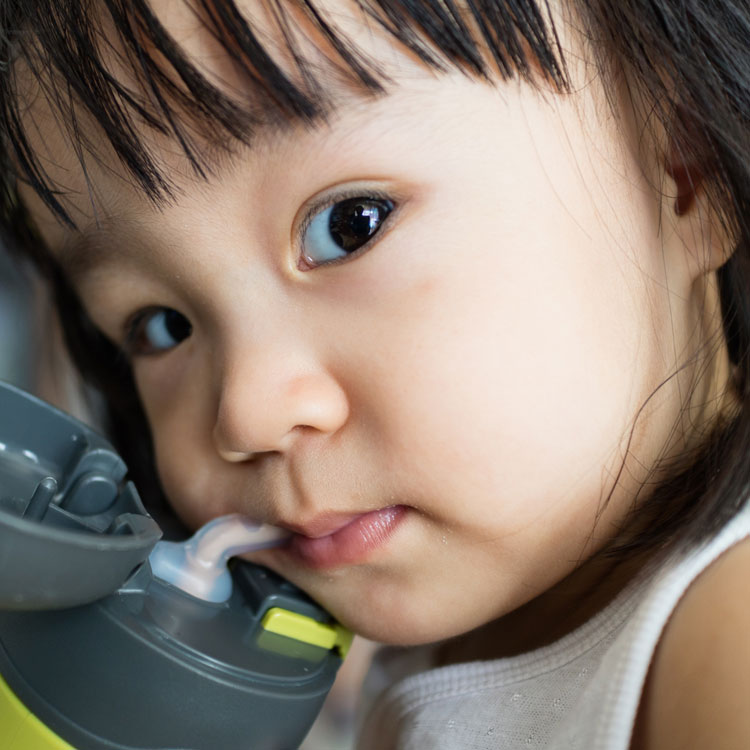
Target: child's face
460 391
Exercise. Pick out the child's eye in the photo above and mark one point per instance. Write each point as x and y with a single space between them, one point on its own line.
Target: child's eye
342 228
156 330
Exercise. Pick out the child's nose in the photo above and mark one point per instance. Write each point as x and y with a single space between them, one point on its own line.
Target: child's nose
260 409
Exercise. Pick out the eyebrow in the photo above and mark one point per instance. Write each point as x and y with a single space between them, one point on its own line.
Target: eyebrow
92 247
88 248
101 242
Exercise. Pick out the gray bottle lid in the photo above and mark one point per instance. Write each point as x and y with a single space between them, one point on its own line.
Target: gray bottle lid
72 529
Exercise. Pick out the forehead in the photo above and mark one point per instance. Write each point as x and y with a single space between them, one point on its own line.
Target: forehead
173 87
178 95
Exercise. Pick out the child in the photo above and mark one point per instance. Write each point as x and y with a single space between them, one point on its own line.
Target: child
453 291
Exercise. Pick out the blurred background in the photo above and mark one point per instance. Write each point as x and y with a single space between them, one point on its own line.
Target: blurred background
16 359
32 357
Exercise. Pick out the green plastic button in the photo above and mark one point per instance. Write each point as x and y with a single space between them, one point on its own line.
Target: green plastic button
305 629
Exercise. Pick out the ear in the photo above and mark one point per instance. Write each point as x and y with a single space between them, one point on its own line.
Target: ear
693 219
687 182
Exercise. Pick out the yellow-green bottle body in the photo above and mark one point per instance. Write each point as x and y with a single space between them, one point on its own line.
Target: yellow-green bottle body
20 729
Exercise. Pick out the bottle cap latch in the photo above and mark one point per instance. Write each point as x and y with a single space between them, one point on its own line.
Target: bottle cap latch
72 529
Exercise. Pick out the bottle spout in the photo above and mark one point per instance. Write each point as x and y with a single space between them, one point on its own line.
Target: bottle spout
198 566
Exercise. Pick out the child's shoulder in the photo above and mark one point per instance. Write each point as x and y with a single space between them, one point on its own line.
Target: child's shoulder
697 693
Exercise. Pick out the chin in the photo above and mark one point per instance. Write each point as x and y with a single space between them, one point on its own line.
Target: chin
403 635
394 626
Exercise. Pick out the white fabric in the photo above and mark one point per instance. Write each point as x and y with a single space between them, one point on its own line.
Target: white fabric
581 692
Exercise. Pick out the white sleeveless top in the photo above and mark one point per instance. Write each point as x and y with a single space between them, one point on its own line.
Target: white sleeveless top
580 693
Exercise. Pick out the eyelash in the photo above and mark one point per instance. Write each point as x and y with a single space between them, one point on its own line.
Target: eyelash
330 200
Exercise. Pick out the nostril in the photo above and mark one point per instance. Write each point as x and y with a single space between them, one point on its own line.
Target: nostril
236 457
231 447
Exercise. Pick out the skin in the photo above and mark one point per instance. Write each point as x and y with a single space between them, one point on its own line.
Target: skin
483 363
697 687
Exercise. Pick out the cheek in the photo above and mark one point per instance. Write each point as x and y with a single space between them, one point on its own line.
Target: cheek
514 375
181 444
180 468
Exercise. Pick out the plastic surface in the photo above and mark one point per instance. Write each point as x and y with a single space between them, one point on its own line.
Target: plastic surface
198 566
71 529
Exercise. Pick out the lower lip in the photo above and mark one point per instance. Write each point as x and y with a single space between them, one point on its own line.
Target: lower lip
350 544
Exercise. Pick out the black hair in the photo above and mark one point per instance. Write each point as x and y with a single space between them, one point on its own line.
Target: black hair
686 64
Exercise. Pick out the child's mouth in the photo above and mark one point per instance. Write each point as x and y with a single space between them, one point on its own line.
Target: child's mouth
350 543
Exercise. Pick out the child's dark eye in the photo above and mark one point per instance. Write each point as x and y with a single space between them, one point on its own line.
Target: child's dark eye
157 329
342 228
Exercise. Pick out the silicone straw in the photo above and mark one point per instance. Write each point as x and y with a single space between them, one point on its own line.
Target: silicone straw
198 566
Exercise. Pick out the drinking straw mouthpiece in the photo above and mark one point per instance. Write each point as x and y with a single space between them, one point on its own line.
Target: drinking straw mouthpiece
198 566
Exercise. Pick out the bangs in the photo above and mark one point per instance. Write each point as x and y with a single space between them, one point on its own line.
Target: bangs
113 64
